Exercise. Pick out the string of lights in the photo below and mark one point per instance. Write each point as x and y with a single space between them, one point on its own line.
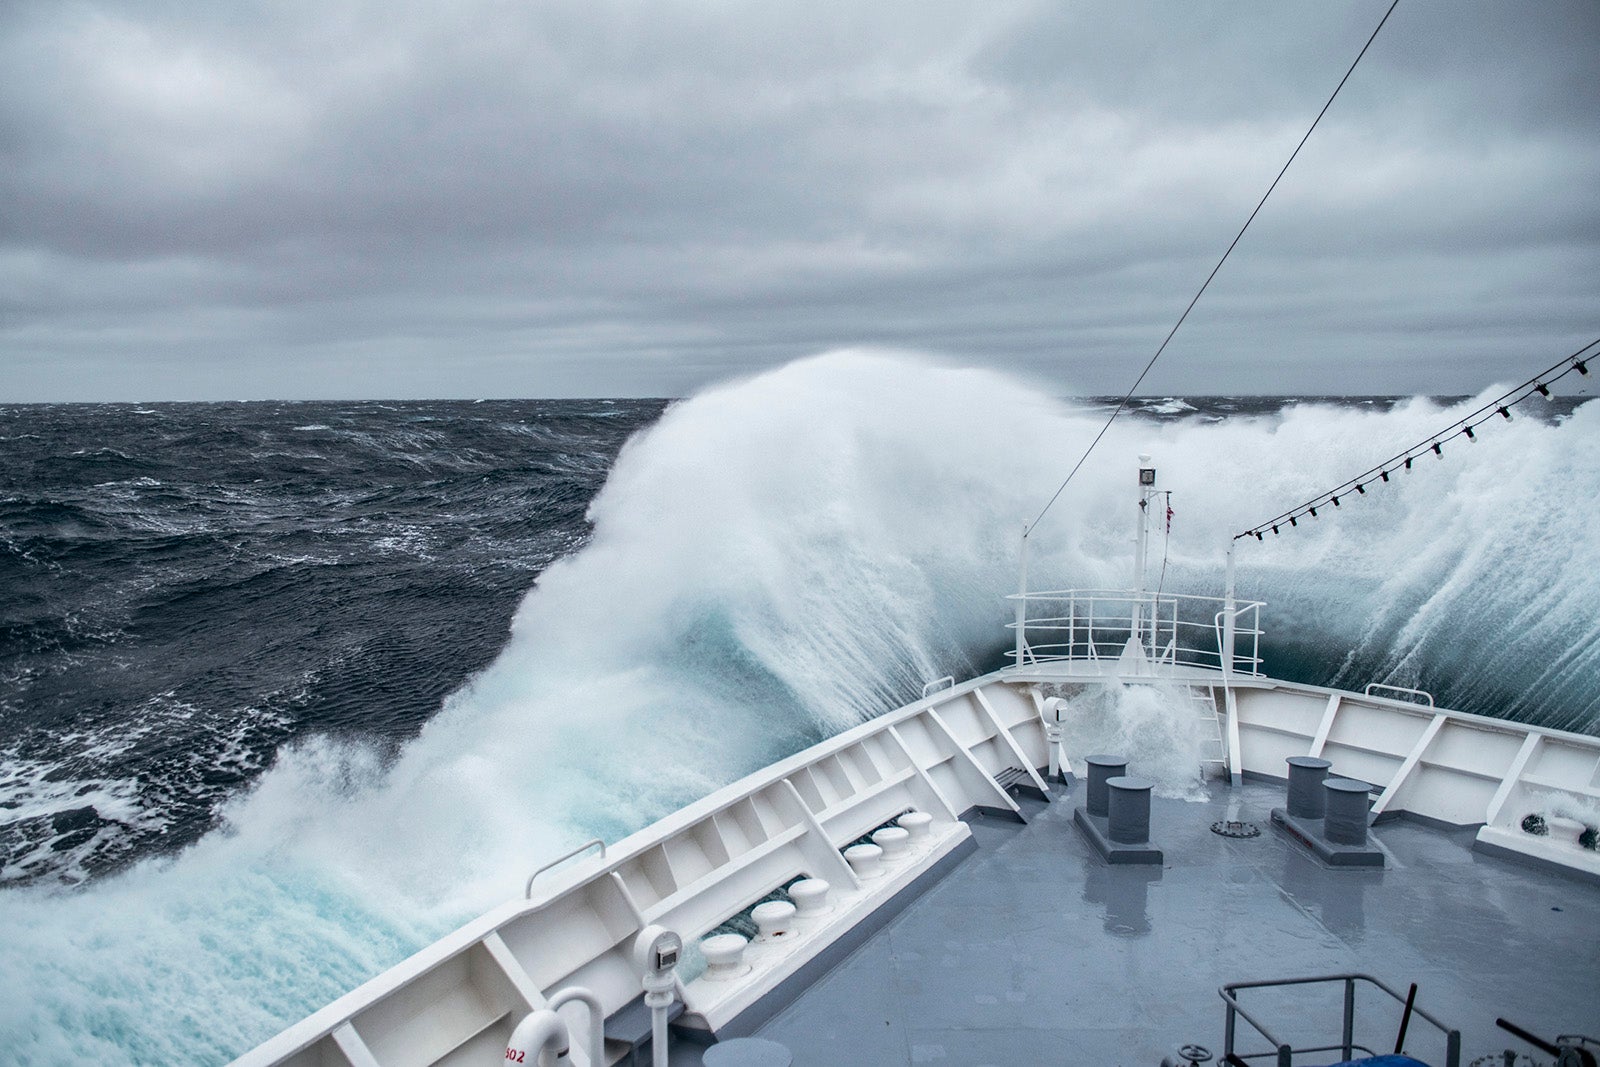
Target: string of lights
1465 426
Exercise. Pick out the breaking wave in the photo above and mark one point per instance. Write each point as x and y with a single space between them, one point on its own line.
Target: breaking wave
772 561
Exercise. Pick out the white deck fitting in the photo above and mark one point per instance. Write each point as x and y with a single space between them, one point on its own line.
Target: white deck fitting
456 1001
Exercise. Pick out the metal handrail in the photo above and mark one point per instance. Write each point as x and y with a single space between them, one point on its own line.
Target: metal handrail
1399 689
1126 594
1095 617
527 892
1348 1046
947 682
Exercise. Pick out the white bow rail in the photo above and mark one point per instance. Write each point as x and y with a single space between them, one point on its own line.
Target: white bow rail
1098 624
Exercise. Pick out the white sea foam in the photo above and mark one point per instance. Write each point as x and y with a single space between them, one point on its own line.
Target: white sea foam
1167 406
1157 728
772 561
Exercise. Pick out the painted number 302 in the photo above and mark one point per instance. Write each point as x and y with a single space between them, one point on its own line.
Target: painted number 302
514 1055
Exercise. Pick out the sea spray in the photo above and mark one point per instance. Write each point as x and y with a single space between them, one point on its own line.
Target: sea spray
1158 729
773 561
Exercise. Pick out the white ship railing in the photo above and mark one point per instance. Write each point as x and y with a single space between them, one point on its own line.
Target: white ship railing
1094 625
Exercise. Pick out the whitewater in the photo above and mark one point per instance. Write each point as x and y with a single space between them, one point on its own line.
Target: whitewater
772 561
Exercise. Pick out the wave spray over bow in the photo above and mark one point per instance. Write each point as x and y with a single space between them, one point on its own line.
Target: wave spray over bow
774 560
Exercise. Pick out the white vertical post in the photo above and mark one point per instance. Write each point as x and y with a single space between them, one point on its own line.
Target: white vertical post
1022 595
1229 702
1230 613
1147 490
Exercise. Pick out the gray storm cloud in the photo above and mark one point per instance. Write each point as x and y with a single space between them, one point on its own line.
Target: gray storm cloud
297 199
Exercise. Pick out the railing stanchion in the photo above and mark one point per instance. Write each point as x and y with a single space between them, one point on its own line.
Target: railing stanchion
1349 1018
1022 597
1230 612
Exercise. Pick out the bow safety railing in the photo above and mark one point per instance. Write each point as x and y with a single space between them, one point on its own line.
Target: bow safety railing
1175 630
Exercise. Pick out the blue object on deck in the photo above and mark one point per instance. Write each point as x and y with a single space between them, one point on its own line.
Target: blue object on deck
1381 1061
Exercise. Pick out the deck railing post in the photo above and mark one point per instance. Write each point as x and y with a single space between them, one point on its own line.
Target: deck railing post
1349 1017
1230 613
1022 597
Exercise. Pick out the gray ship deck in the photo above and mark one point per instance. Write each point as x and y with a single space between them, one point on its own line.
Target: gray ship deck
1034 951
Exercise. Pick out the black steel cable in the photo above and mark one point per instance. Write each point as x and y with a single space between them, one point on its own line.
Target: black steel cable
1136 382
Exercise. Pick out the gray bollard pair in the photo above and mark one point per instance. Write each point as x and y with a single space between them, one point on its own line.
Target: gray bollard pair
1327 815
1116 812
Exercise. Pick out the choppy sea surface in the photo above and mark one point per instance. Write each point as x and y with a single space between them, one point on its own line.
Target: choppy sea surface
184 588
288 690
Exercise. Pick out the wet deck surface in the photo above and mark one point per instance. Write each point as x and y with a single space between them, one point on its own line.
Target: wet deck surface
1035 952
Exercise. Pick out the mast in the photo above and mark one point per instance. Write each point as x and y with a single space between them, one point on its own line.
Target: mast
1147 492
1022 596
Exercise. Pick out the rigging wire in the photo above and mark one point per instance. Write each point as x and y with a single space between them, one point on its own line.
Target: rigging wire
1540 383
1123 403
1166 546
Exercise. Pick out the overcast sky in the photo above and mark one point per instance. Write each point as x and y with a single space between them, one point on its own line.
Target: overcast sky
304 198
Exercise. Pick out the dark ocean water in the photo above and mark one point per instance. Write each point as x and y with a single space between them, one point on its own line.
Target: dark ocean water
185 587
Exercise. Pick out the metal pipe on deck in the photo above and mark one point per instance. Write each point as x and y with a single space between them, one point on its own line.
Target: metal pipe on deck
539 1032
597 1018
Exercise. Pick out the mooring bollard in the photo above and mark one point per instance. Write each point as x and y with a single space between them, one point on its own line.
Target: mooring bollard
1346 820
1129 802
1101 769
1306 775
